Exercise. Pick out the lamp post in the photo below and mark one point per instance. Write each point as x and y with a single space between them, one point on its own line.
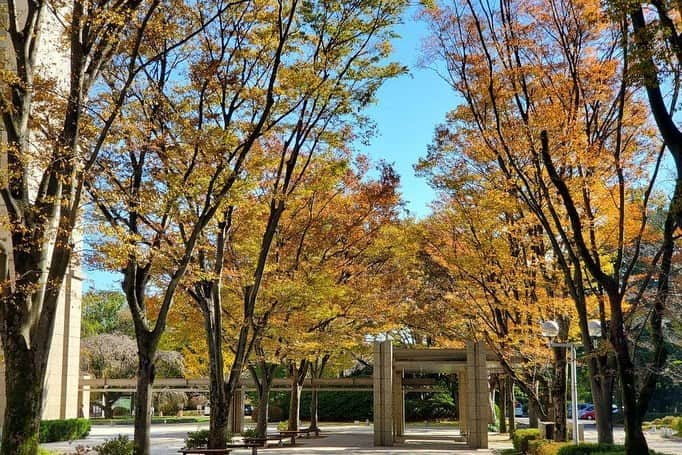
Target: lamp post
550 329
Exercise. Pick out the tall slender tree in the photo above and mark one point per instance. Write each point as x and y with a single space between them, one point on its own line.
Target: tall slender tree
43 103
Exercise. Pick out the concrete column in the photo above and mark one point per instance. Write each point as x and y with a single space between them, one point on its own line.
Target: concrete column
84 399
463 406
383 390
398 405
477 395
236 413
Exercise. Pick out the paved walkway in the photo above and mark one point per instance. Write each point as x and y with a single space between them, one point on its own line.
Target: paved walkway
335 439
344 439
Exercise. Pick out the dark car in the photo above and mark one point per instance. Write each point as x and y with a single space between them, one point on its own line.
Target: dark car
248 410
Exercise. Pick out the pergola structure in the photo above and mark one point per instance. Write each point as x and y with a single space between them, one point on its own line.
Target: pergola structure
472 366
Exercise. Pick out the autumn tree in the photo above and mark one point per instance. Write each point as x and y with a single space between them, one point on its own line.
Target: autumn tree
651 34
262 74
335 64
334 217
481 248
43 103
549 106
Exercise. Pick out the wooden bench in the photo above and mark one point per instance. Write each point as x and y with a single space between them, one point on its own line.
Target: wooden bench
261 442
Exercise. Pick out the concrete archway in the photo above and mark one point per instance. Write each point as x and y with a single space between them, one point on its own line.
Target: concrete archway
472 365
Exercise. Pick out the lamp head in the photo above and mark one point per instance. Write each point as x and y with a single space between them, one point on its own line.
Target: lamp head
549 329
594 328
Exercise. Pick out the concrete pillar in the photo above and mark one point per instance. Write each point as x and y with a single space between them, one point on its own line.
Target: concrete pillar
463 406
383 390
477 395
236 413
84 399
398 405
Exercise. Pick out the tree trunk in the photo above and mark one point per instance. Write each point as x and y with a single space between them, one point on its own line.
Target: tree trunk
602 395
314 403
143 401
635 442
219 395
109 399
263 385
295 406
24 389
220 405
511 403
533 414
298 375
263 403
559 394
316 372
503 404
108 410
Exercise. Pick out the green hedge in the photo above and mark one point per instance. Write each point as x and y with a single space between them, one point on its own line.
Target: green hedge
521 438
338 406
601 449
64 430
589 448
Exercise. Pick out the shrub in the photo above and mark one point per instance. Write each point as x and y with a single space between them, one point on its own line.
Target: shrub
522 437
120 445
545 447
63 430
250 433
282 426
120 411
589 448
170 402
196 439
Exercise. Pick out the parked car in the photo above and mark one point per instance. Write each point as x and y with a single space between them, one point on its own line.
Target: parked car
248 410
587 413
581 408
590 412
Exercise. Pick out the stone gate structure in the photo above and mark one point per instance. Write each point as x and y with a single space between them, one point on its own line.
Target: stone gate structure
472 366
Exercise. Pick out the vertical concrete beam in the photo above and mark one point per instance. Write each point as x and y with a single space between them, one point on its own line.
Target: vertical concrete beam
463 405
477 396
383 391
236 412
398 405
84 400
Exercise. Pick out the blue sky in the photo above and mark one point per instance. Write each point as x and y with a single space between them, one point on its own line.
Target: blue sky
406 114
407 111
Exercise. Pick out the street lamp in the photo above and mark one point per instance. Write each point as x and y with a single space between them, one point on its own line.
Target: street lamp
550 329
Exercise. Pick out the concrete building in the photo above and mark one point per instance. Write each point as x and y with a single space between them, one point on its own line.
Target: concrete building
61 383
